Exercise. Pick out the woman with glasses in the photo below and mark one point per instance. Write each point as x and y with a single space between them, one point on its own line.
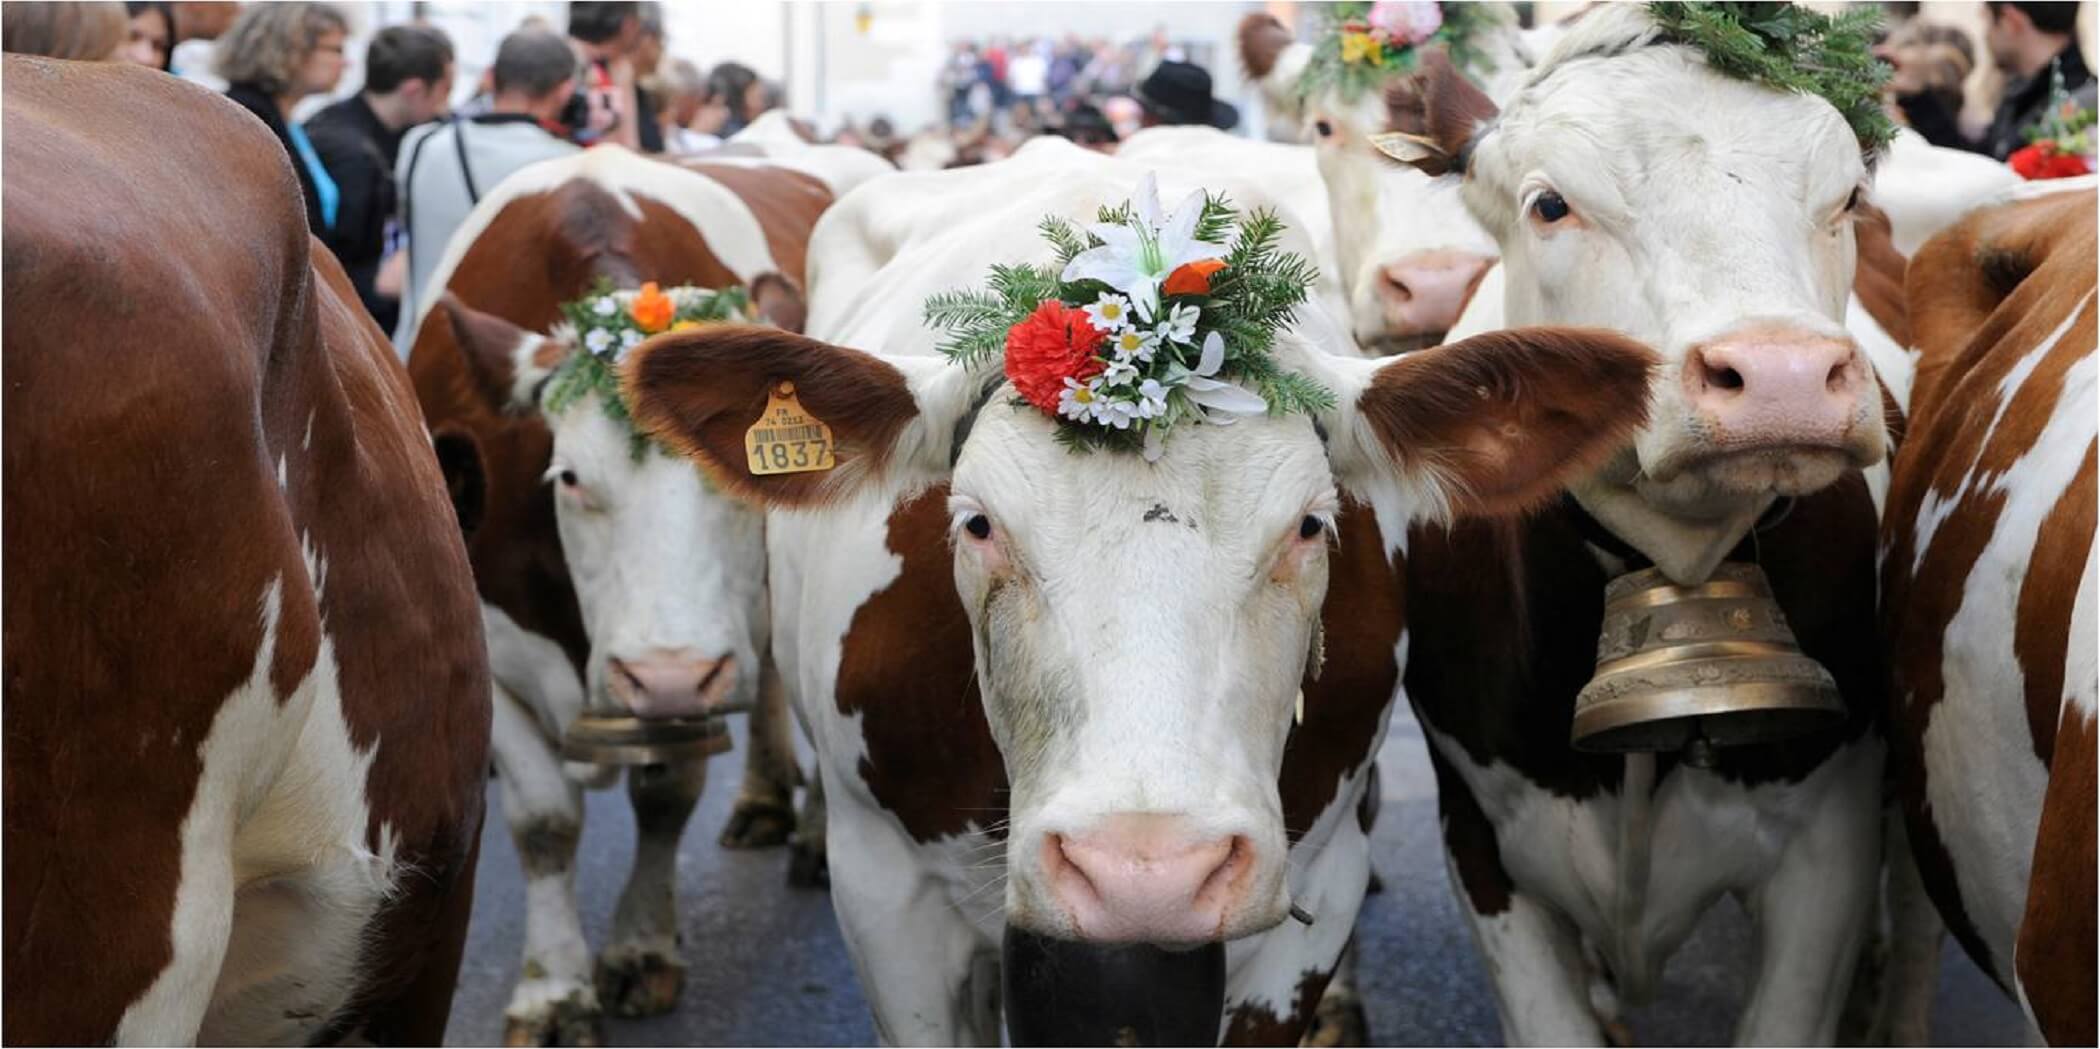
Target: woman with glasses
275 55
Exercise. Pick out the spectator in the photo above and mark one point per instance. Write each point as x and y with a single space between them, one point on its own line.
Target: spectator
647 58
408 79
445 168
92 32
738 88
2027 40
1929 57
605 36
275 55
1179 93
151 38
686 105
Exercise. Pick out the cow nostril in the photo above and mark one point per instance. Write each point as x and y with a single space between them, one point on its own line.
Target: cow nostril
1840 377
1722 377
713 672
624 674
1397 289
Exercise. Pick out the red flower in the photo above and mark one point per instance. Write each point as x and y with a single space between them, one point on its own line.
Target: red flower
2041 160
1055 343
1192 278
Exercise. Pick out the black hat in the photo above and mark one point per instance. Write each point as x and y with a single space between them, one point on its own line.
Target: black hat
1179 93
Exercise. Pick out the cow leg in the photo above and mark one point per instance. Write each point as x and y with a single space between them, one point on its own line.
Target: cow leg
808 867
1339 1018
2053 957
553 1003
640 974
1811 913
764 814
914 952
1911 973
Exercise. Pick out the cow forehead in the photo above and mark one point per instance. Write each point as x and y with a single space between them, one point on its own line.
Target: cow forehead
1227 491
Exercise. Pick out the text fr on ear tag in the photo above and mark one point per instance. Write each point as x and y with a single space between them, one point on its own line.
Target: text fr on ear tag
786 439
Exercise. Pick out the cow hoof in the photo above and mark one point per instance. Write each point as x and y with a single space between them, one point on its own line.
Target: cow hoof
638 983
571 1021
1339 1021
758 824
807 867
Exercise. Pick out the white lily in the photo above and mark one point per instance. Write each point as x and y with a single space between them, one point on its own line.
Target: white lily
1206 390
1137 257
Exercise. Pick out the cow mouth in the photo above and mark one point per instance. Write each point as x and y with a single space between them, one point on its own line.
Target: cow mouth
1390 344
1783 470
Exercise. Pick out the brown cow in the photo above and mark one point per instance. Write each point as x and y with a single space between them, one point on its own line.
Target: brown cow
608 580
1989 583
247 702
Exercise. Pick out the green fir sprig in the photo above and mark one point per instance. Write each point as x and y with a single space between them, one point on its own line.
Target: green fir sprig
604 330
1794 49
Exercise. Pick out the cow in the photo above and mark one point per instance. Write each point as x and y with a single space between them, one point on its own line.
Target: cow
1990 596
609 582
1058 690
247 696
1718 231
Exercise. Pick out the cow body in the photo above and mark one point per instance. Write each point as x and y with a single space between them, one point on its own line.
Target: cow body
247 720
608 580
1990 584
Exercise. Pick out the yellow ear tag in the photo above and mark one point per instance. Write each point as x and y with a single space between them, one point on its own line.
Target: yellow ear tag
787 439
1404 147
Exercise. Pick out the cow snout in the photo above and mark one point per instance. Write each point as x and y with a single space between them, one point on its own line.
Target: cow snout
671 684
1144 877
1776 389
1424 293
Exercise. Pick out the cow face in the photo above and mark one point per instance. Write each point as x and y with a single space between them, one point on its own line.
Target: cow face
1141 628
669 574
1410 255
1717 229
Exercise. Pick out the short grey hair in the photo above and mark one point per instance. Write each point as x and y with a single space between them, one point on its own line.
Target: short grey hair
269 42
533 62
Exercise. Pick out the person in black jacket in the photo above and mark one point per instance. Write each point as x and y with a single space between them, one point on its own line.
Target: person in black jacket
2029 41
408 80
275 55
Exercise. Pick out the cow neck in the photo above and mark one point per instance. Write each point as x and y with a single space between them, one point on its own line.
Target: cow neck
1686 549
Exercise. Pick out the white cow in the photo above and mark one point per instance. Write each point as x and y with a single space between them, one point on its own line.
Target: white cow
1138 632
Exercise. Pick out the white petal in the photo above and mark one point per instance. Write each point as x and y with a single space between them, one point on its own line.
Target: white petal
1155 442
1213 355
1229 398
1146 202
1112 270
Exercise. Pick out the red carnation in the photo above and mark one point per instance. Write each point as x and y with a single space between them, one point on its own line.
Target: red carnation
2041 160
1055 343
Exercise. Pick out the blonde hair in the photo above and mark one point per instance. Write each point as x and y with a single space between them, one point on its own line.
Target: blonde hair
269 42
91 31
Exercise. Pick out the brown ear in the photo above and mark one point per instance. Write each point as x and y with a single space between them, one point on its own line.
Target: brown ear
466 478
700 391
779 302
507 362
1262 40
1499 422
1432 116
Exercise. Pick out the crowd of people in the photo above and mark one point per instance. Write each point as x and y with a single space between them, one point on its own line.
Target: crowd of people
389 172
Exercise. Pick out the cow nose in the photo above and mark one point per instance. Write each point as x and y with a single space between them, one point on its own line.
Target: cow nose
671 684
1147 877
1775 388
1425 292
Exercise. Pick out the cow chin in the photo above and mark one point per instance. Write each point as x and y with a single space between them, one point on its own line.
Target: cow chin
1788 471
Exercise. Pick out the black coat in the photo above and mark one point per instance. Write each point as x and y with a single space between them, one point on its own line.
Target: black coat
2025 104
257 101
359 153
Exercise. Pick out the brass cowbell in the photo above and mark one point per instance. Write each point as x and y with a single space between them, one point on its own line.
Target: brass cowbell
1694 667
618 739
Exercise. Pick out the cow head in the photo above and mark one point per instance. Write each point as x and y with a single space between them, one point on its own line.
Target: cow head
1717 229
1141 628
670 575
1409 253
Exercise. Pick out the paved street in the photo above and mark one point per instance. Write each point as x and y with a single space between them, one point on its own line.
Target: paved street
767 966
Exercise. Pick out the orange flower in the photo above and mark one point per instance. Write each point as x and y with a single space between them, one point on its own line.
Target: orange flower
1192 278
651 309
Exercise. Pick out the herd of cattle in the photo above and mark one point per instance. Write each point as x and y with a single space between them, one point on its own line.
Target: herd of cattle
252 708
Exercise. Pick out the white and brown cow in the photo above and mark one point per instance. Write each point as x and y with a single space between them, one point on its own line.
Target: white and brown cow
1057 690
609 581
1990 598
1718 230
247 700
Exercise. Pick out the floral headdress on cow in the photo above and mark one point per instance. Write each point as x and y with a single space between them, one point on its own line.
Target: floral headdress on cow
2060 145
1362 45
1149 319
1793 49
607 323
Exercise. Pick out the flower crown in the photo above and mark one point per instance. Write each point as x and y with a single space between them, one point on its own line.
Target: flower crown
1149 319
1793 49
2060 143
607 323
1361 45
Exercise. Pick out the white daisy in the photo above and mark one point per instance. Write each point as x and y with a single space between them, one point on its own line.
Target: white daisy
1131 343
605 306
1120 372
597 340
1080 401
1109 313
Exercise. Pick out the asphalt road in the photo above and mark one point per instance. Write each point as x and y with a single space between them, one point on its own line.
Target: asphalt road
766 965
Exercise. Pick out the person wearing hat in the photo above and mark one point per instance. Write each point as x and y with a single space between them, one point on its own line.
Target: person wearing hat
1179 93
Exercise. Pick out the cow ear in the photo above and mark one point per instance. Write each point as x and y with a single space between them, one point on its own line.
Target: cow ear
1432 116
1273 59
892 420
779 302
507 362
466 476
1488 426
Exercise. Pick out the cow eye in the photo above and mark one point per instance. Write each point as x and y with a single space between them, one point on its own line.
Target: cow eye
567 477
1311 527
1550 207
1323 128
979 526
1852 202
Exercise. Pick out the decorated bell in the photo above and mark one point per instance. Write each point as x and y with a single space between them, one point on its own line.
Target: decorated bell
618 739
1694 667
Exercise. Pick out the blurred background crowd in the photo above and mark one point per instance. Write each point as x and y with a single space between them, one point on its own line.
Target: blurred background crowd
397 116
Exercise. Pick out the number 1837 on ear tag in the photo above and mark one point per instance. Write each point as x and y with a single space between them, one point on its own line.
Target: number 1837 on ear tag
787 439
